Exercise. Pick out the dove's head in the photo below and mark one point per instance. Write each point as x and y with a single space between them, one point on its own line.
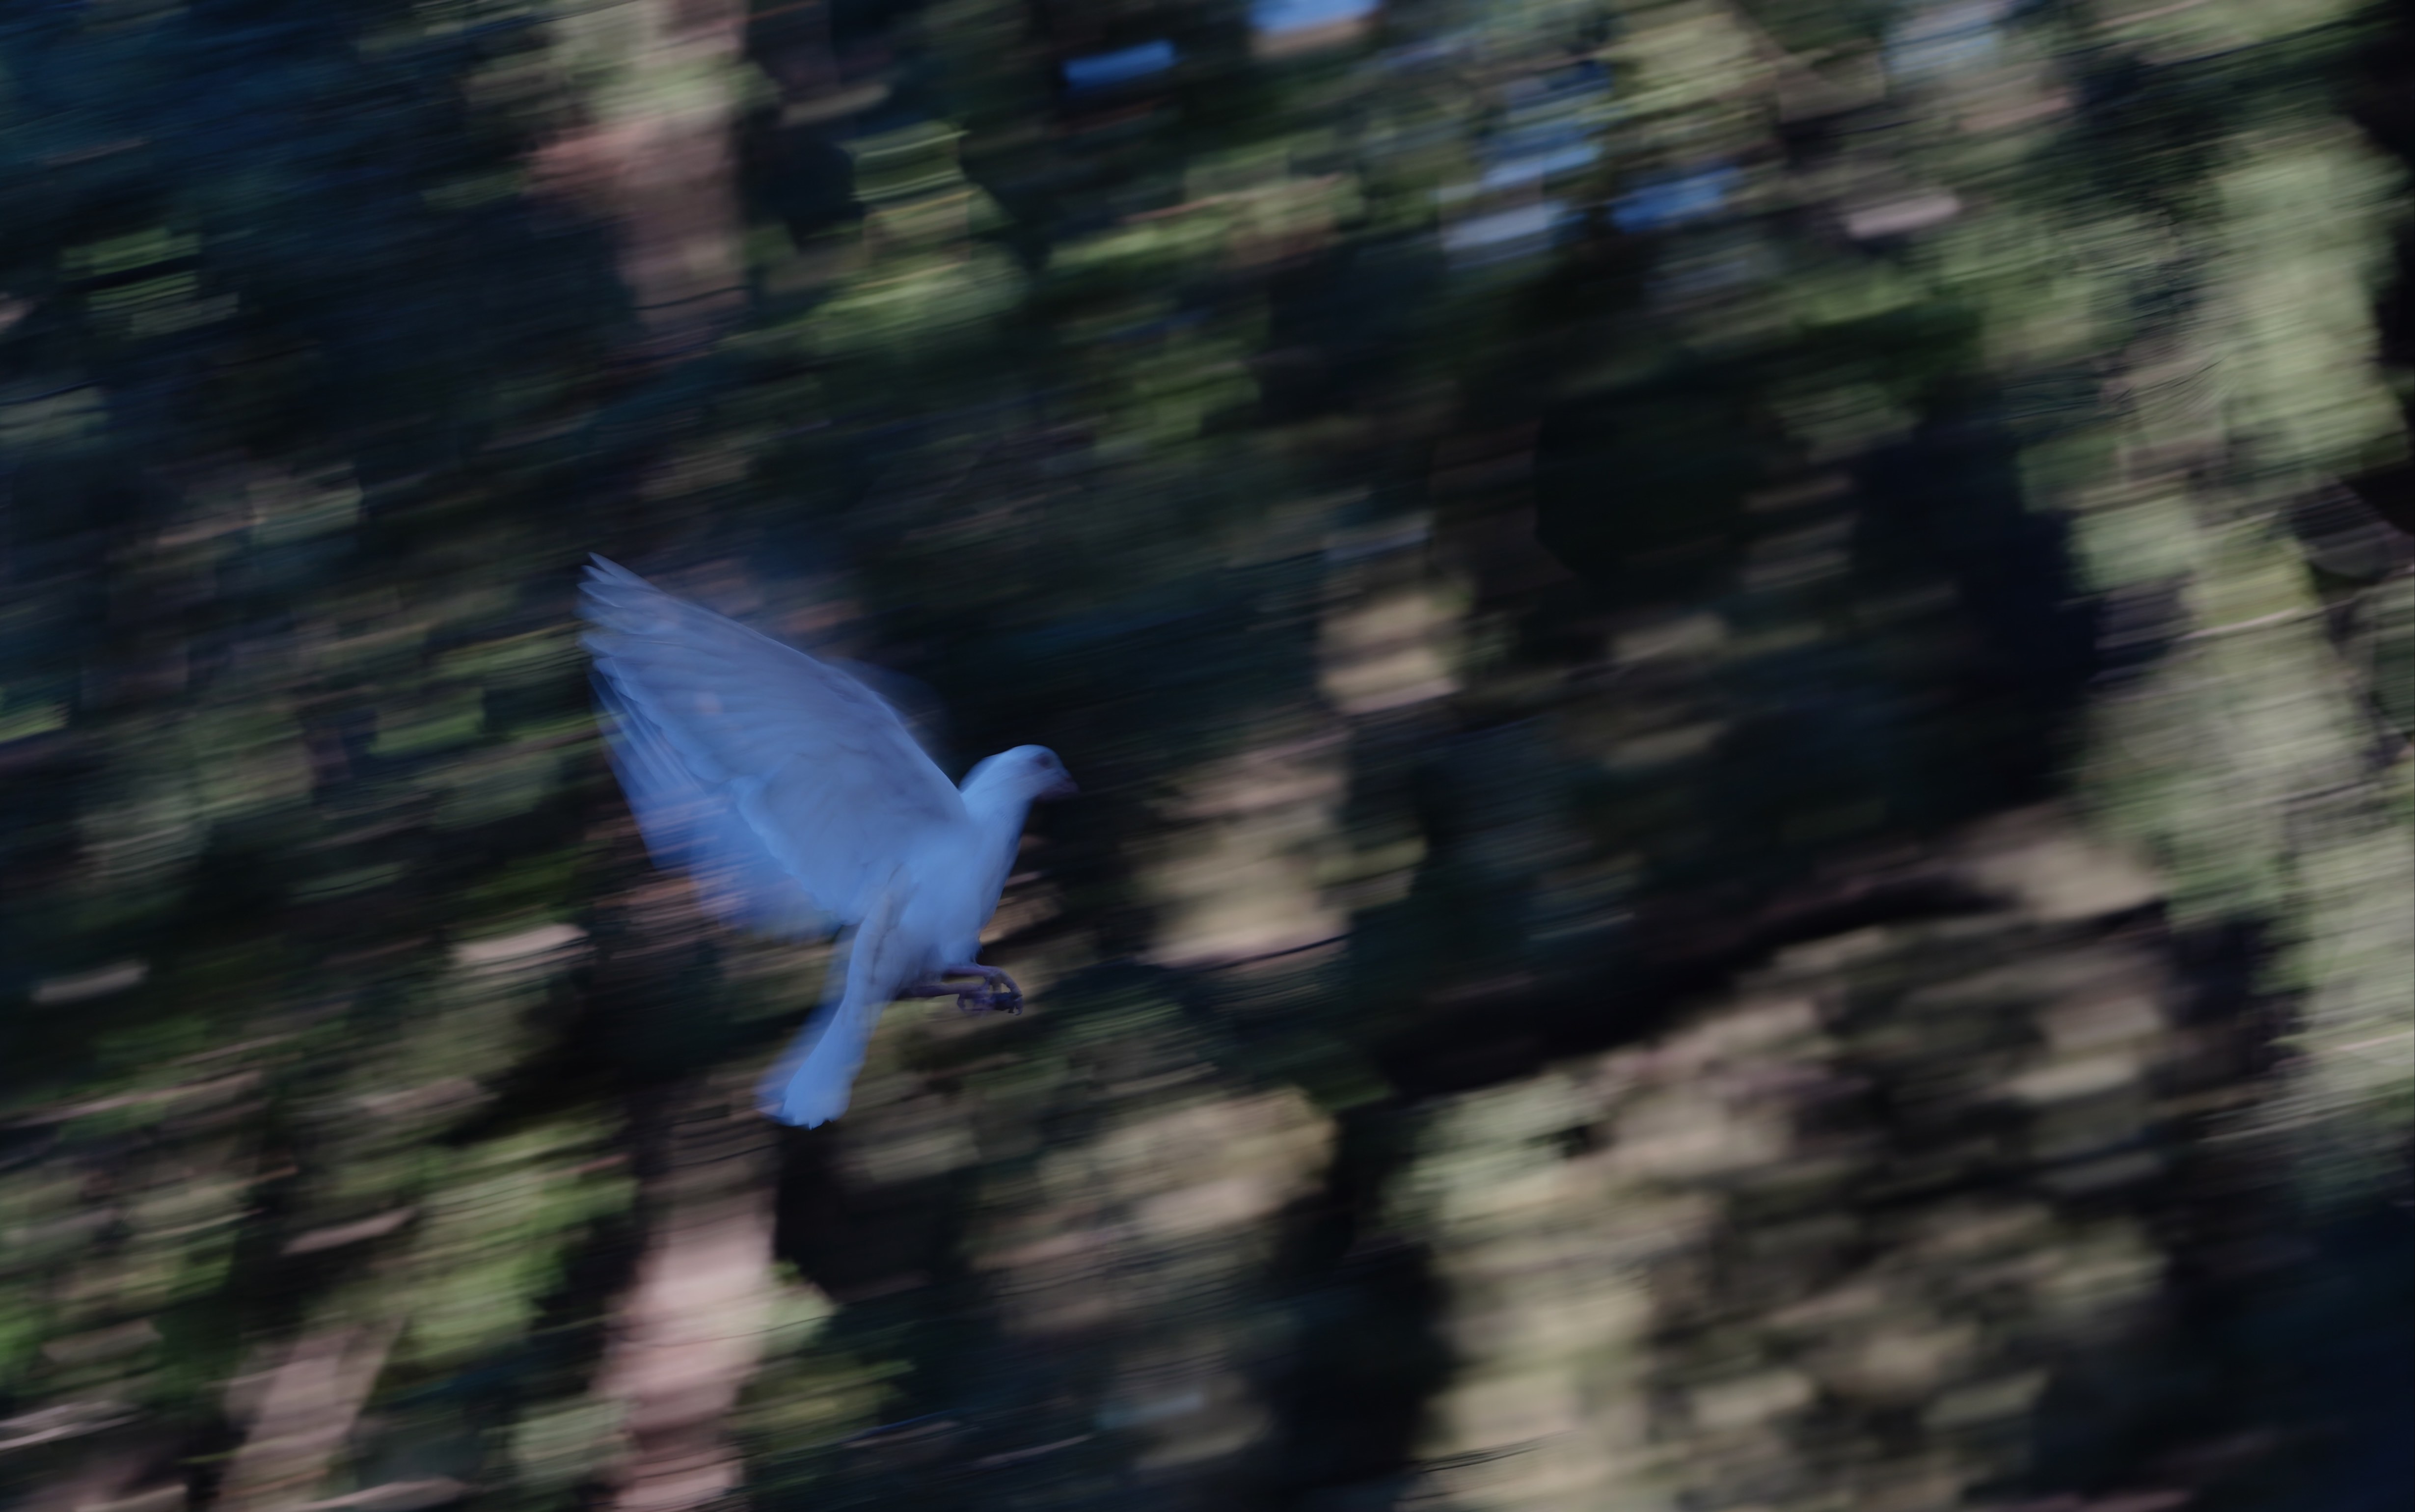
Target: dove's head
1025 772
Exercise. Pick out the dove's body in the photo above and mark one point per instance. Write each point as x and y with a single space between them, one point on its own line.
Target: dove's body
959 874
799 799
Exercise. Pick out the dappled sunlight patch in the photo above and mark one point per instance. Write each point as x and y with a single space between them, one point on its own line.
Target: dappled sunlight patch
1721 1226
1240 867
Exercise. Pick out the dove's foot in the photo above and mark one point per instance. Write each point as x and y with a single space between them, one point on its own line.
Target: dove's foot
995 991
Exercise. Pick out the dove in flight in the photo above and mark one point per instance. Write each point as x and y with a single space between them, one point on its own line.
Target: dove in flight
799 802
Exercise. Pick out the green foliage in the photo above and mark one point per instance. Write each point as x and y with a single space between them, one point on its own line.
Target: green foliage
1516 515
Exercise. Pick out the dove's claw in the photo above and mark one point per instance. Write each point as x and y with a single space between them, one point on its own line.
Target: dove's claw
995 993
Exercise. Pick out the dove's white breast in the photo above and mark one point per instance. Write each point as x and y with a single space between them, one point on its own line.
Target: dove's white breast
959 873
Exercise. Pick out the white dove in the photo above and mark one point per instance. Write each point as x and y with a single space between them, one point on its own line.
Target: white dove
798 800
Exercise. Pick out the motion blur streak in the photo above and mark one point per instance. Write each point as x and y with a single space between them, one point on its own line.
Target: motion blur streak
1742 670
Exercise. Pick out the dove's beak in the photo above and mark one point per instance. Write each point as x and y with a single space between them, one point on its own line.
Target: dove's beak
1060 789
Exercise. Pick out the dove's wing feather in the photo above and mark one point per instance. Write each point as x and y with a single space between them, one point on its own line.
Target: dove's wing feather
818 769
696 827
814 1081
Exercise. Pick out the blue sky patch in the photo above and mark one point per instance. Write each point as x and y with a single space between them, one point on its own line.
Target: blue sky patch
1659 204
1101 70
1276 17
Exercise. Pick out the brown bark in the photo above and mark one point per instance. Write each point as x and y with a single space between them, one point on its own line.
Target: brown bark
690 1331
306 1406
657 161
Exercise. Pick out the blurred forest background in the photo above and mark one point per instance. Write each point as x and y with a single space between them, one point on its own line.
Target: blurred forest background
1742 673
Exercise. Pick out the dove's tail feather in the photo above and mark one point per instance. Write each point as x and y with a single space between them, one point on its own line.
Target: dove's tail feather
812 1083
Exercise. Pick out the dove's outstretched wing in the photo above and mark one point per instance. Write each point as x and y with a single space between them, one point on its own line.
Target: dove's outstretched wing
695 827
753 765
